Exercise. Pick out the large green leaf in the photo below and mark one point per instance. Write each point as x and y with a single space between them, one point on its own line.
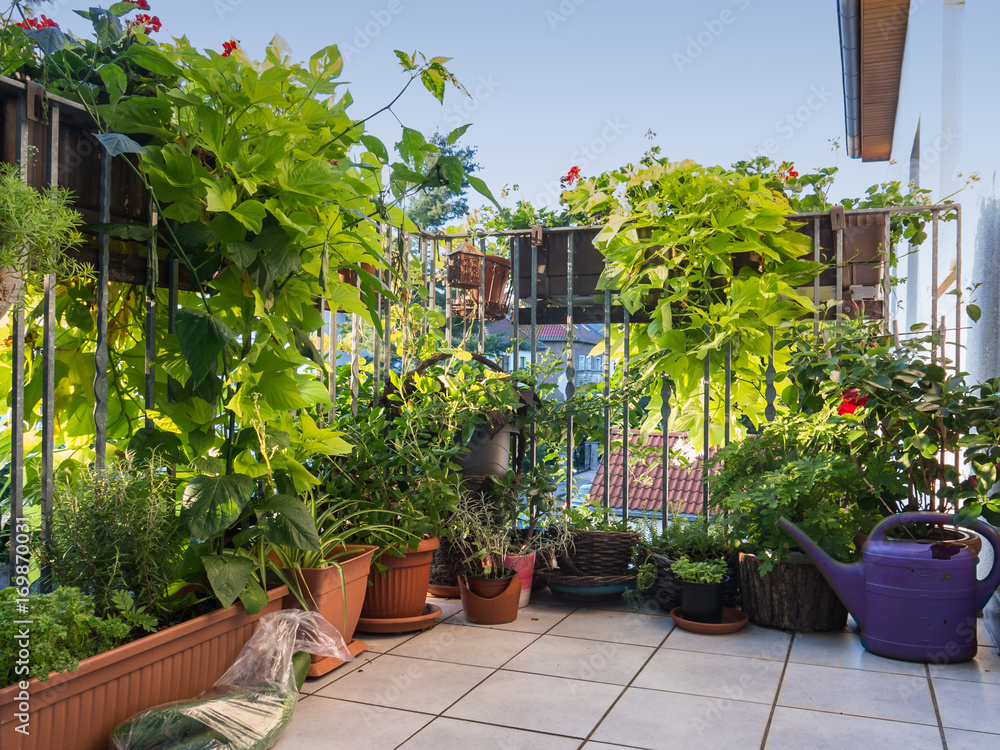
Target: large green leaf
288 522
228 576
480 187
116 144
107 28
52 39
212 504
201 337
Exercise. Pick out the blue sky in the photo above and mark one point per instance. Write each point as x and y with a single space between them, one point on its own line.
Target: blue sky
558 83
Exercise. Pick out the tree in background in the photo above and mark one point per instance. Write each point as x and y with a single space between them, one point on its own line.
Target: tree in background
435 207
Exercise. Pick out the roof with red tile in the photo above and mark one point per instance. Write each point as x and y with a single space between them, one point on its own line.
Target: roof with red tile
646 478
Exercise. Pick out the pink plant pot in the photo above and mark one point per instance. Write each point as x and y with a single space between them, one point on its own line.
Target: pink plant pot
525 569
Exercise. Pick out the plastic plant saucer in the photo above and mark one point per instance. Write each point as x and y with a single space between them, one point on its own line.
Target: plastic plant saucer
400 624
443 592
732 620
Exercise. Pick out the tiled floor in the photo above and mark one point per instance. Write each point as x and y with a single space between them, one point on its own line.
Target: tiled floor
565 677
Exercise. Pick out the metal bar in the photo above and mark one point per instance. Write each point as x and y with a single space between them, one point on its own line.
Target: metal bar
887 311
515 283
376 341
838 291
607 399
817 257
355 354
934 281
47 475
173 282
626 416
729 390
101 351
447 293
570 368
481 307
707 383
422 249
769 392
387 311
332 343
665 426
533 455
958 307
152 266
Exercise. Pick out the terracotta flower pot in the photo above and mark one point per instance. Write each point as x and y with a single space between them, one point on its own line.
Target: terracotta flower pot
78 710
402 591
490 601
339 602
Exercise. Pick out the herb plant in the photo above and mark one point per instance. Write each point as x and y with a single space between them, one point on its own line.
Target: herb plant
706 571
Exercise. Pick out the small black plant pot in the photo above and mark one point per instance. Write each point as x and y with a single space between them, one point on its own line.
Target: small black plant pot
702 602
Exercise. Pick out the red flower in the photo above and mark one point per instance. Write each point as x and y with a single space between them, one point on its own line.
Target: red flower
229 47
787 171
851 402
149 24
35 24
572 176
140 4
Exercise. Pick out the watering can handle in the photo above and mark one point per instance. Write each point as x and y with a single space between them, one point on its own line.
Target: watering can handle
878 533
986 587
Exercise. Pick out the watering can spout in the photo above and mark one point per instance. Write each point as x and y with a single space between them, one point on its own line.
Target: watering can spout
848 581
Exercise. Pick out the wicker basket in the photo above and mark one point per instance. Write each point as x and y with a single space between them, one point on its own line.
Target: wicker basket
598 553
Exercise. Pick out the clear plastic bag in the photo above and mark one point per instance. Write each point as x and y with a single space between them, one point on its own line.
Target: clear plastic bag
251 704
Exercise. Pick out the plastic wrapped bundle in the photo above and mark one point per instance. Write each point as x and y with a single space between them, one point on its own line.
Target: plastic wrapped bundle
251 704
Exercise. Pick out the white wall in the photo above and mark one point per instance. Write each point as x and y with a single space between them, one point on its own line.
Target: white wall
949 89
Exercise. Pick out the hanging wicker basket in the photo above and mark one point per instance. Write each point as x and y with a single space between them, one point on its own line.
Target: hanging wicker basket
598 553
469 270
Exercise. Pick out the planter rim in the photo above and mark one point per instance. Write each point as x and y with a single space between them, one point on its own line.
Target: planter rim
41 692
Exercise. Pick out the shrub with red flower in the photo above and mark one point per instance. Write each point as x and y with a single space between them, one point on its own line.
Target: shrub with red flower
148 23
851 402
787 171
34 24
229 47
572 176
140 4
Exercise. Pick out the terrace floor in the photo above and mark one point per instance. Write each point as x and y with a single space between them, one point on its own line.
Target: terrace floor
563 676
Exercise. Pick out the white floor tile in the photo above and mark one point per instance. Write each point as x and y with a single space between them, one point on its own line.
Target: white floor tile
752 640
480 647
711 675
581 659
844 649
969 705
796 729
326 724
442 734
614 627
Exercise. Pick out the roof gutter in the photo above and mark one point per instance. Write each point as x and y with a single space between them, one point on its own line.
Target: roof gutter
849 16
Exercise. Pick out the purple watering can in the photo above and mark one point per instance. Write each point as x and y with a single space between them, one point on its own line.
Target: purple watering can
913 600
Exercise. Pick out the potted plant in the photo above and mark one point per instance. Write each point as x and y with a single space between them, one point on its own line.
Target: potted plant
798 467
499 553
702 588
698 539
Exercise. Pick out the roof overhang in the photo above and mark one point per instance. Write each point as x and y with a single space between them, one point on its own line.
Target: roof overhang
872 40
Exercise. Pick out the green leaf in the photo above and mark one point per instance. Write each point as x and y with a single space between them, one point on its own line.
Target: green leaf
282 261
152 59
288 522
116 143
453 171
150 441
974 312
220 196
434 82
121 9
107 28
242 254
253 598
250 214
123 230
376 146
50 40
405 60
480 187
201 338
114 79
228 576
457 133
212 504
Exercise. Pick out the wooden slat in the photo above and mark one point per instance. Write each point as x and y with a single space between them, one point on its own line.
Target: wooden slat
883 39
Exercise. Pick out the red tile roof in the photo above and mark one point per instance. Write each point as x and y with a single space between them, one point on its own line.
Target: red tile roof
646 478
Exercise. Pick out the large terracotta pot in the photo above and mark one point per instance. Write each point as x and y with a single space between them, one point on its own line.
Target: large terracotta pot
339 601
490 601
78 710
402 591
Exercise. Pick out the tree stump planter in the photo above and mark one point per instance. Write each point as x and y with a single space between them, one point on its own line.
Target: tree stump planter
793 596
